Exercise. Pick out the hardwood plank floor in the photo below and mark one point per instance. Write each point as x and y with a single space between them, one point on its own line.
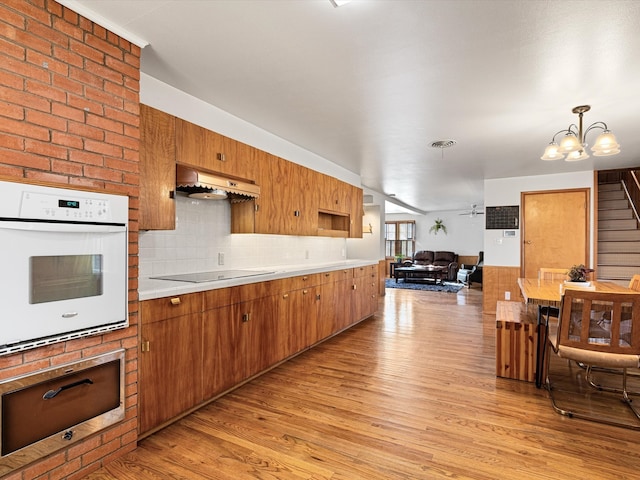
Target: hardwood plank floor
410 393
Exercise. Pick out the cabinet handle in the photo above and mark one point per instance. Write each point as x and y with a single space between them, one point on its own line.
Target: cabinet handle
221 157
285 295
354 287
305 278
172 194
175 301
304 292
246 317
296 213
144 346
327 274
318 296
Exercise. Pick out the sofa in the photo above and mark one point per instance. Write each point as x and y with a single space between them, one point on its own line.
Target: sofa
469 274
429 257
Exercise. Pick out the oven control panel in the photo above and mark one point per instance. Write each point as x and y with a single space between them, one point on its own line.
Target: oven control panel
44 206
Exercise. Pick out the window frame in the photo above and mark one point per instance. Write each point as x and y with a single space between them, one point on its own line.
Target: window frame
410 243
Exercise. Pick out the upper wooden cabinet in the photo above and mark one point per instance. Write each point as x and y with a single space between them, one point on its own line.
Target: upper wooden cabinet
201 147
157 170
294 200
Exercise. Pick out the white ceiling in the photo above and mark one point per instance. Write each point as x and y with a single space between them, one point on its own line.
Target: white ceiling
370 85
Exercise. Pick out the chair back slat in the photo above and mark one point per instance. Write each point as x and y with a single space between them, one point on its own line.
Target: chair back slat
599 321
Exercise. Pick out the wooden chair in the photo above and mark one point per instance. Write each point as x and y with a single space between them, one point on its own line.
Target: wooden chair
597 329
634 284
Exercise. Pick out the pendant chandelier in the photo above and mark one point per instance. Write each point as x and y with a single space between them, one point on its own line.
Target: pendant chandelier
574 145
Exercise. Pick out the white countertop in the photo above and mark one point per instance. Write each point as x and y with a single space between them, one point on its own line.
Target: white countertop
149 288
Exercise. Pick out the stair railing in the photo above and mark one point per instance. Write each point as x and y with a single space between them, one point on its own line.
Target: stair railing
631 187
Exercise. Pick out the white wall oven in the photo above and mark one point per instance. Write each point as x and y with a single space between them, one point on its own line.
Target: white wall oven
64 264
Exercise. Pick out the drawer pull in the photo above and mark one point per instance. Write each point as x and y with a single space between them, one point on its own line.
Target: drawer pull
52 393
304 292
305 278
175 301
246 317
285 295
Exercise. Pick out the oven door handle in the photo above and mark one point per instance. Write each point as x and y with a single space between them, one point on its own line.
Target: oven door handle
62 227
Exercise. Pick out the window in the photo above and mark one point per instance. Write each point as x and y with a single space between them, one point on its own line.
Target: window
400 238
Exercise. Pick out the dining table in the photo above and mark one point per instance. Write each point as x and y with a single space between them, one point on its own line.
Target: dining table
546 294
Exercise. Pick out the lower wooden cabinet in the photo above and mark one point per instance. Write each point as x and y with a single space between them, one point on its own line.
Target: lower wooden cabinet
195 347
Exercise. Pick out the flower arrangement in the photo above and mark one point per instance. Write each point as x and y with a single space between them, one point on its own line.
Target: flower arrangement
579 273
437 226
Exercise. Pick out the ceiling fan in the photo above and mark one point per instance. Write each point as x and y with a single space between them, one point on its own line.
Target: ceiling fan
473 212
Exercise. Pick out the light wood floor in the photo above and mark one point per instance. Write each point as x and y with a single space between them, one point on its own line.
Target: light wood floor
410 393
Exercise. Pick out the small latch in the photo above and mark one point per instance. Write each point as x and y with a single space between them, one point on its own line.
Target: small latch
68 435
144 346
175 301
246 317
221 157
296 213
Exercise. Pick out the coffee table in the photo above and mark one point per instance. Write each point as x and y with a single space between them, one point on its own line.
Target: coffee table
437 273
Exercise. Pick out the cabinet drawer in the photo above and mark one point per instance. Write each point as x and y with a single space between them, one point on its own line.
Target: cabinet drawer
170 307
367 270
252 291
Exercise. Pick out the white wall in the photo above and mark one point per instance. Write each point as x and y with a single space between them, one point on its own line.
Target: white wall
464 234
500 251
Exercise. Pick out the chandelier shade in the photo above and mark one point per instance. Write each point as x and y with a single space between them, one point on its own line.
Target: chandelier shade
574 144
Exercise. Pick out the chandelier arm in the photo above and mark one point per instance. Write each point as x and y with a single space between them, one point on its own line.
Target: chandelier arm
601 125
553 139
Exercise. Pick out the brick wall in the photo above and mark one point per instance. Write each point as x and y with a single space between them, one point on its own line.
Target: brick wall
69 114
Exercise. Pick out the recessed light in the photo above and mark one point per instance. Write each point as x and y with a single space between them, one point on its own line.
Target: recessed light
443 143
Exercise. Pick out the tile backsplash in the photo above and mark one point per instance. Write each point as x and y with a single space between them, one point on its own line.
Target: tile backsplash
202 233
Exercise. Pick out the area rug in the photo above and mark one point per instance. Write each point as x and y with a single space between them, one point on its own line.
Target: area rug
430 287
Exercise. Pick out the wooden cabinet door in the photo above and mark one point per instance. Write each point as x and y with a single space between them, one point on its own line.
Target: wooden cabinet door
299 311
301 213
169 369
223 365
201 147
157 170
356 213
261 335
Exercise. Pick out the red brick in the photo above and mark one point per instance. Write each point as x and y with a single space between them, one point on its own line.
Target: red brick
132 84
43 353
68 168
66 84
11 142
104 46
67 112
24 69
65 470
85 131
105 122
33 42
104 72
12 50
47 33
103 148
69 29
66 358
54 8
46 120
30 10
85 78
71 141
134 61
45 91
68 57
99 95
26 160
46 177
47 464
13 476
8 171
48 62
12 18
123 141
10 80
100 32
82 343
124 117
25 368
70 16
81 448
86 158
122 67
7 361
8 125
86 51
84 104
86 182
103 174
15 112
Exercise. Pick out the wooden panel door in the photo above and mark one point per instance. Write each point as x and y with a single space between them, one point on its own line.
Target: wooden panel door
555 229
157 170
170 369
223 365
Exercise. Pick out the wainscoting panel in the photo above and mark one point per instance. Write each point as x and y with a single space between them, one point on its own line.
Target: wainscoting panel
496 281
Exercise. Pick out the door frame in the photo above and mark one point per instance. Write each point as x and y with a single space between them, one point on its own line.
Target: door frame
587 233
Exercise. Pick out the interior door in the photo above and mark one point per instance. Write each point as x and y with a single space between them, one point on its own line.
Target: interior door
555 229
